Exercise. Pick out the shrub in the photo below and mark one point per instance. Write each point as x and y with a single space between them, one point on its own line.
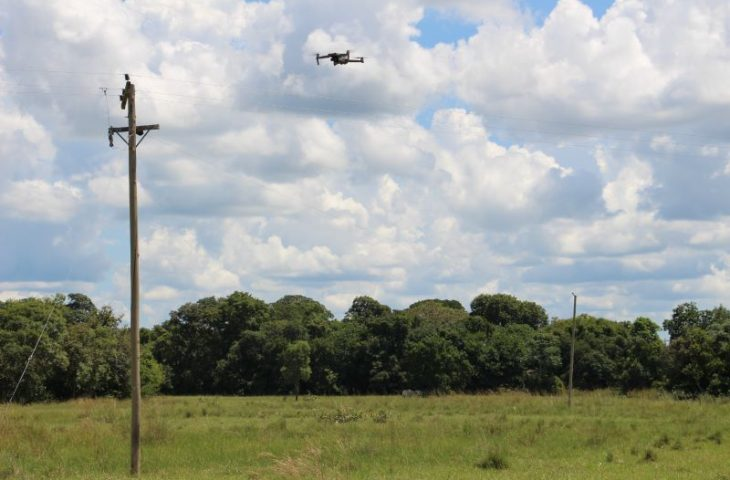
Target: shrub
662 441
495 460
650 455
716 437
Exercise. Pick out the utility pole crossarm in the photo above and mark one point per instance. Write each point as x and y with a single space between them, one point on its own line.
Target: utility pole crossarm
141 130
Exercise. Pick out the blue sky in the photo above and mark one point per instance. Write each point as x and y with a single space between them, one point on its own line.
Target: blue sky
549 154
443 26
440 25
542 8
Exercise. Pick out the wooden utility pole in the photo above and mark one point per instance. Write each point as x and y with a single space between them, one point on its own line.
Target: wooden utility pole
572 354
128 99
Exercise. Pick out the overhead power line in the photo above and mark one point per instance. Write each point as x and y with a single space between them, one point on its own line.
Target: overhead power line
265 100
32 353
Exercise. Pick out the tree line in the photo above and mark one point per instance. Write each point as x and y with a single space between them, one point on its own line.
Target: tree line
241 345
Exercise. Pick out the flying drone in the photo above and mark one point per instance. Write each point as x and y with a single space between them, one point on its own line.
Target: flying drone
340 58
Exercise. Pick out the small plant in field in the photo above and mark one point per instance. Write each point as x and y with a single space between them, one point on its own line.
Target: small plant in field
677 445
342 415
279 424
155 429
380 416
495 460
716 437
188 414
610 457
308 464
540 428
650 455
7 472
662 441
634 450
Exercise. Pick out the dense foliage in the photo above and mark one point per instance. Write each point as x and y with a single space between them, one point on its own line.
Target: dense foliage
241 345
83 351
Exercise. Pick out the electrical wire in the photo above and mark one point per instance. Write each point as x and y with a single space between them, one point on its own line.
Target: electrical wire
32 353
108 115
338 99
266 99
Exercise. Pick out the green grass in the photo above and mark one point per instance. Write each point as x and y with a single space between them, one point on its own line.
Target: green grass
500 436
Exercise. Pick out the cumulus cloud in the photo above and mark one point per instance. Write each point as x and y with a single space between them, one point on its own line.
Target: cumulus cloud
492 184
178 257
623 194
270 257
39 200
584 151
26 148
615 67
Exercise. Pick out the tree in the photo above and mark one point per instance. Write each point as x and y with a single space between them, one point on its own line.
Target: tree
21 324
501 359
644 362
313 317
692 362
434 362
192 345
199 335
245 368
365 308
684 317
152 374
502 309
436 311
99 359
544 364
295 365
80 308
600 350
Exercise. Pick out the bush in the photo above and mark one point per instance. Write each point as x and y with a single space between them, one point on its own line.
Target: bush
495 460
650 455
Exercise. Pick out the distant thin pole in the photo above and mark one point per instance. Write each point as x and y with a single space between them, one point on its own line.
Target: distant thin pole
572 354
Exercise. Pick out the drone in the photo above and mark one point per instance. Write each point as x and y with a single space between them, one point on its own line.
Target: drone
340 58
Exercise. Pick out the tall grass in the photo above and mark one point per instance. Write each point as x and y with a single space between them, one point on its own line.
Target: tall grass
508 436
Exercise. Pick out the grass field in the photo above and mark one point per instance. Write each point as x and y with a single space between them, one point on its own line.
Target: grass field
503 436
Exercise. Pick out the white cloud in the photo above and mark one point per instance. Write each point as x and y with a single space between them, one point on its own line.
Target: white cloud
40 200
624 193
162 292
353 213
319 146
275 175
26 148
616 235
641 62
663 143
250 255
487 180
178 257
114 191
